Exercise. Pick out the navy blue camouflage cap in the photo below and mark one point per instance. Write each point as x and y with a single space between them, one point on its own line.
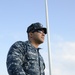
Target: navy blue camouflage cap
36 26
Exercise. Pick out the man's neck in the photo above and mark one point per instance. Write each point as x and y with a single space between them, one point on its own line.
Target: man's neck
34 44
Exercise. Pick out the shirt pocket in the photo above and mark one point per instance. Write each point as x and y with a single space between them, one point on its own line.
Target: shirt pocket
30 56
31 60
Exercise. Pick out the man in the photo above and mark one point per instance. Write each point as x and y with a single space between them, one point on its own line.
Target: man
23 57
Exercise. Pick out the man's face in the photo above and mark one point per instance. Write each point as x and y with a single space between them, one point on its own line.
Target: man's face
38 36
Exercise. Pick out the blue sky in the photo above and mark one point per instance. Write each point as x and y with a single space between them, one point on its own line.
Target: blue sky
17 15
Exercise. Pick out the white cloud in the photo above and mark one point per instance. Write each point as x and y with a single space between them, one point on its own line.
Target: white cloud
56 71
69 51
63 58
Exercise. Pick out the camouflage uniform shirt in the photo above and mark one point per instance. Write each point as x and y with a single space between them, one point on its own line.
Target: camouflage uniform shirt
24 59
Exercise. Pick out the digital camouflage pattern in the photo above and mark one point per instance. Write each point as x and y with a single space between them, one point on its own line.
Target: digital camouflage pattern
24 59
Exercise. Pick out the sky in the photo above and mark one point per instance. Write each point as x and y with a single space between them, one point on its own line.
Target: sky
17 15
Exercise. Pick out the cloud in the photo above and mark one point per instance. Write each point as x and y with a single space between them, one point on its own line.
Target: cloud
63 58
56 71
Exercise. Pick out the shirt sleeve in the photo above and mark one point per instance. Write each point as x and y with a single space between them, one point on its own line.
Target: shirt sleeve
15 60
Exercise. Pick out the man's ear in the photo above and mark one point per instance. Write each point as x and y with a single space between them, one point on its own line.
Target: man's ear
30 34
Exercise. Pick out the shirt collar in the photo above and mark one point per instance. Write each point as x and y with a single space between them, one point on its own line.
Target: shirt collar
29 43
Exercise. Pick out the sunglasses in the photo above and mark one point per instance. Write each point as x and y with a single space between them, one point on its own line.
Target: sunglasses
39 31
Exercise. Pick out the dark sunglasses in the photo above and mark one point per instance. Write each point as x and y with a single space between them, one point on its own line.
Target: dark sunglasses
39 31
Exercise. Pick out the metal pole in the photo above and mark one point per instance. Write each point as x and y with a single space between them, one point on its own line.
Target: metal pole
48 36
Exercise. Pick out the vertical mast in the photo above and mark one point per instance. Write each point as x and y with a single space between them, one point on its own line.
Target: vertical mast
48 36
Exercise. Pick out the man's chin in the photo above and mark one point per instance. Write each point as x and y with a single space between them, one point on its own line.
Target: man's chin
41 42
